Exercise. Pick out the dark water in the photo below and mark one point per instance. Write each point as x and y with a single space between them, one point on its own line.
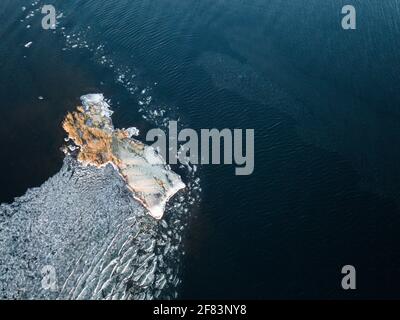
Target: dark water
324 104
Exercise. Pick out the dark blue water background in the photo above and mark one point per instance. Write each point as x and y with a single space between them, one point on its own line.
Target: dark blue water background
324 103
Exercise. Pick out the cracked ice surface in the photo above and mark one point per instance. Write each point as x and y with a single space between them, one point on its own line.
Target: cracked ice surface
83 222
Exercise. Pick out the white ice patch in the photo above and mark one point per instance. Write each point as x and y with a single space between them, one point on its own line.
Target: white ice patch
132 132
147 175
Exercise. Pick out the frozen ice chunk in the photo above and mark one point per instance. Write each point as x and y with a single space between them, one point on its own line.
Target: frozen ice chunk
147 176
